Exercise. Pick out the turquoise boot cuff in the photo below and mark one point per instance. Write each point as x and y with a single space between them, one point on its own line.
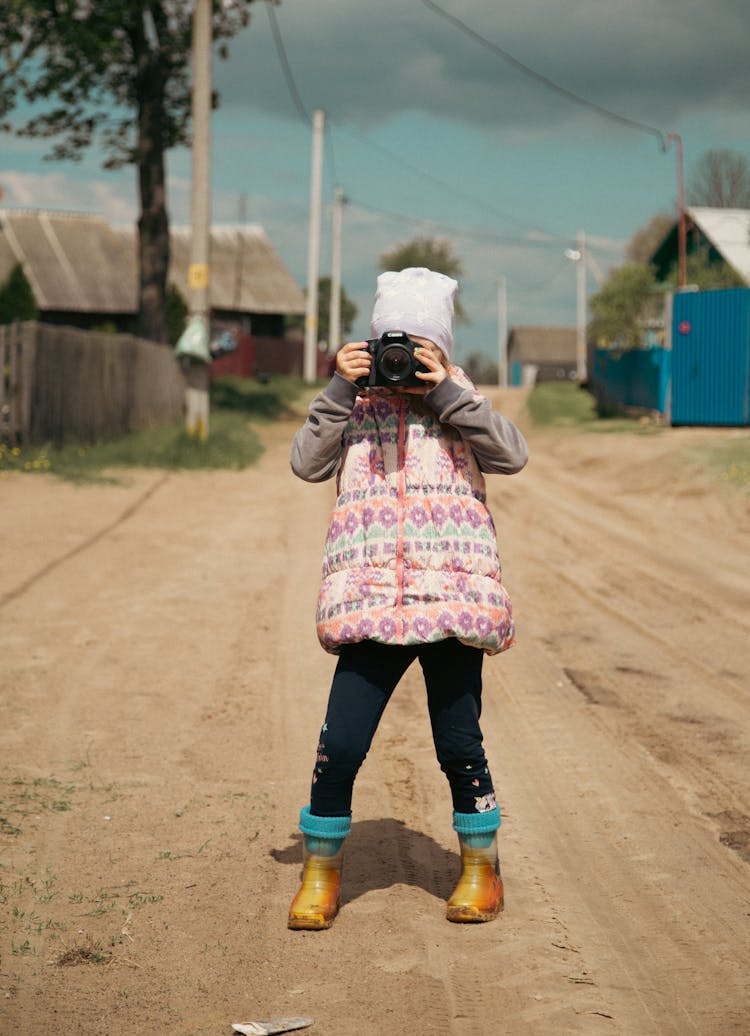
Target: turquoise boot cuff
323 827
479 826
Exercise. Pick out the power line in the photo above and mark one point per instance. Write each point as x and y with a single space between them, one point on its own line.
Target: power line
479 235
544 80
525 288
284 61
394 157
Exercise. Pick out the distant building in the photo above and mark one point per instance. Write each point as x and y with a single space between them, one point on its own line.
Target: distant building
723 233
538 353
83 272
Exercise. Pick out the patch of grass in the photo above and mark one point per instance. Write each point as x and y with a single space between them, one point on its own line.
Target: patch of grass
729 461
563 404
90 952
555 404
23 797
266 399
233 443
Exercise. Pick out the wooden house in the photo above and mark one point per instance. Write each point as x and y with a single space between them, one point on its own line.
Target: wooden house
538 353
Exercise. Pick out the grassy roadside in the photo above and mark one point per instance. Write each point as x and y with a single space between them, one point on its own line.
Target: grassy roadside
723 453
238 406
562 404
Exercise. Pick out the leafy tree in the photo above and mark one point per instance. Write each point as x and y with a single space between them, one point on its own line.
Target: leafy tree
721 180
347 311
481 369
431 252
645 241
622 305
177 311
708 274
17 300
115 74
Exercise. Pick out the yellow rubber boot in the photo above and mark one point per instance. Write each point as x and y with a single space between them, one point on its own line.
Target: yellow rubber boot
316 904
478 896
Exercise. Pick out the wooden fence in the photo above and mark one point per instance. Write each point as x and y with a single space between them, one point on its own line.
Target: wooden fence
59 384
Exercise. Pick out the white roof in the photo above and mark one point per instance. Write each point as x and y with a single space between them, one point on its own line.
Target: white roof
728 230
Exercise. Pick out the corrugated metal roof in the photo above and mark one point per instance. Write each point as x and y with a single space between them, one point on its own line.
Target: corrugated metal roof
79 263
533 344
247 274
728 230
75 263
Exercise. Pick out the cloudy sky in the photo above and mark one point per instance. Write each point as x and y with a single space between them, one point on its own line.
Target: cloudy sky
435 128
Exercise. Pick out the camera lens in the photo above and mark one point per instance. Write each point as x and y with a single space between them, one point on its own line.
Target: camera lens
395 363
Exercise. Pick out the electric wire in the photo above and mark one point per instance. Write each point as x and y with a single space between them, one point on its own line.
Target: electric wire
285 66
391 155
394 157
584 102
486 236
294 93
525 288
470 232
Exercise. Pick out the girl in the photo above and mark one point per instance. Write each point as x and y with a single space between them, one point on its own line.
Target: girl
411 571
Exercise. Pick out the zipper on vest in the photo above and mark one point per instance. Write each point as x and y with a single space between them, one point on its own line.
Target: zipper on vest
400 525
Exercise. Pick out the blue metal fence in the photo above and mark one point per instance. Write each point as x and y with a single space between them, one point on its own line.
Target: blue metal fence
711 357
633 377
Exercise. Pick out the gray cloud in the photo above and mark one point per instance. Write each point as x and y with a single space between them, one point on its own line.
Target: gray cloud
654 63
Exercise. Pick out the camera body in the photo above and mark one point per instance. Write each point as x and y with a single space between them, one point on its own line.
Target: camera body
393 363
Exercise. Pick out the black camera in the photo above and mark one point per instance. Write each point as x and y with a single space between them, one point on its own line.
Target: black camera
392 362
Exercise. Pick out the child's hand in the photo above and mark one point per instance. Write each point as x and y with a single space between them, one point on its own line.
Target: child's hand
432 358
353 361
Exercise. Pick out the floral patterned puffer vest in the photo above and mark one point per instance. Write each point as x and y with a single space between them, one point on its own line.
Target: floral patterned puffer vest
411 552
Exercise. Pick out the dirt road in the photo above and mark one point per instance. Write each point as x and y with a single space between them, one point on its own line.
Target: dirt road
162 691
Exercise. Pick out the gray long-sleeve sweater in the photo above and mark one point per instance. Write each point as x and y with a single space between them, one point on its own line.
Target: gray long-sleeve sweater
495 441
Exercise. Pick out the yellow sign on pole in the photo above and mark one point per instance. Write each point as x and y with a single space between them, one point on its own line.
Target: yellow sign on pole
198 276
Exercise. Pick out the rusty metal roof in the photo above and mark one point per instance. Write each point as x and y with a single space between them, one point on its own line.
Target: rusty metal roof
79 263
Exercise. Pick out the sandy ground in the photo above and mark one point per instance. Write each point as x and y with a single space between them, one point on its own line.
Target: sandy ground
161 695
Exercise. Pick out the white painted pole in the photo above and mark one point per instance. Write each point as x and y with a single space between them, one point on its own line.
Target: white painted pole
502 331
310 358
334 322
581 360
199 306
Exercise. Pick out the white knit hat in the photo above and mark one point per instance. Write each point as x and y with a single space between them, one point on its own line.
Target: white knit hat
417 301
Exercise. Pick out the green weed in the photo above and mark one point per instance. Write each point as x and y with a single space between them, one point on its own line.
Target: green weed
23 797
89 952
728 461
233 443
562 404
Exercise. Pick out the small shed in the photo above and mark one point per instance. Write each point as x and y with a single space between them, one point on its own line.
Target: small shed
550 351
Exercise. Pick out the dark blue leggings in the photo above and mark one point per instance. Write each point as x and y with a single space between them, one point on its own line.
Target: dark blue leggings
366 676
